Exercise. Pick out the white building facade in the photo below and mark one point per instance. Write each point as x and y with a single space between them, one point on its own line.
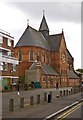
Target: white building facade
8 63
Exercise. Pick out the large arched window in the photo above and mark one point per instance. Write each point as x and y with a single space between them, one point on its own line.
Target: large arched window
20 55
31 55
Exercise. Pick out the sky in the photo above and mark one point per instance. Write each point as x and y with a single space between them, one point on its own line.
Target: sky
64 15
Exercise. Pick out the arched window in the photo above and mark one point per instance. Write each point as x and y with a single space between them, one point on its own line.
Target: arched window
38 56
20 55
31 55
45 58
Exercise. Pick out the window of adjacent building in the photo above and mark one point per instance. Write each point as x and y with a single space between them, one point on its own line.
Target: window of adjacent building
4 53
9 54
31 55
14 67
5 66
14 81
1 65
9 42
1 39
20 55
0 52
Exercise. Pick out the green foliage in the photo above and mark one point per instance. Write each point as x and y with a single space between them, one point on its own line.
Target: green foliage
5 87
21 79
80 70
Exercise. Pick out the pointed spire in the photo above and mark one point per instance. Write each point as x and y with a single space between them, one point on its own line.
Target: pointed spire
43 25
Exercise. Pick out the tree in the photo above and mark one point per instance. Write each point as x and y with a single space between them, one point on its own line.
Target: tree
80 70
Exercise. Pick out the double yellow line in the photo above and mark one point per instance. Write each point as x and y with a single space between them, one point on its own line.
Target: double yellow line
68 112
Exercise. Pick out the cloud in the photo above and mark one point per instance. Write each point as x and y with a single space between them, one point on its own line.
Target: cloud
64 15
55 11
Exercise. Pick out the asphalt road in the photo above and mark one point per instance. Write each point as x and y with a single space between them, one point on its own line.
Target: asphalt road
43 110
77 113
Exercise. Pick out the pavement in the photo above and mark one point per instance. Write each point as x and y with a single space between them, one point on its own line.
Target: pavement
44 109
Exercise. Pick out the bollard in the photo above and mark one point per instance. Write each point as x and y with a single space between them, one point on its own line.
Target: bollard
38 99
31 100
74 91
11 105
60 93
51 95
49 98
21 102
45 96
69 92
64 92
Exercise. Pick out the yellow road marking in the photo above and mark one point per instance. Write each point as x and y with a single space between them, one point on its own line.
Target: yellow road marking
69 112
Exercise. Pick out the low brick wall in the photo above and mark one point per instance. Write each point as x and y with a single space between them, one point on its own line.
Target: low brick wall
29 98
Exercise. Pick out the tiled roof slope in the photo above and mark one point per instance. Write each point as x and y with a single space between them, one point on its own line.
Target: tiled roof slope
54 41
72 74
32 37
46 68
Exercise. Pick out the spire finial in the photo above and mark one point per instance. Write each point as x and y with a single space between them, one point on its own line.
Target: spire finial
43 12
62 30
27 22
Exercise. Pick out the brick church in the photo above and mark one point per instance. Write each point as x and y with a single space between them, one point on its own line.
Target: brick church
44 60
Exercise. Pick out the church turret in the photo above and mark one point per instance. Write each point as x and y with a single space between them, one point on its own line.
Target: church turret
44 27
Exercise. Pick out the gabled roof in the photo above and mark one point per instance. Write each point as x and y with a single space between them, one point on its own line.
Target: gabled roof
43 25
32 37
49 70
72 74
46 68
54 41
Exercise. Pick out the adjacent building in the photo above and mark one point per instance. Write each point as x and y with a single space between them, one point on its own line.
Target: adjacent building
8 63
44 59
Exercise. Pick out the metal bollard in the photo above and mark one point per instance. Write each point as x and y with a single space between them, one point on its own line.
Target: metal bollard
69 92
21 102
31 100
64 92
45 96
49 98
38 99
11 105
51 95
60 93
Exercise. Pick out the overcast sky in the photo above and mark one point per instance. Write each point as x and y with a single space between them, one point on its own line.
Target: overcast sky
59 15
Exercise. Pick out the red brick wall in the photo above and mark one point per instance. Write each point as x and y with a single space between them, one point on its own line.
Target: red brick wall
74 82
26 63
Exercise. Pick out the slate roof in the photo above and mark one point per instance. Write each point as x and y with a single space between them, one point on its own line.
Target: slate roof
43 25
54 41
72 74
49 70
32 37
46 68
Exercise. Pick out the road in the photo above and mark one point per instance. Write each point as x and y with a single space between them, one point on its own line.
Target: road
76 113
43 110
